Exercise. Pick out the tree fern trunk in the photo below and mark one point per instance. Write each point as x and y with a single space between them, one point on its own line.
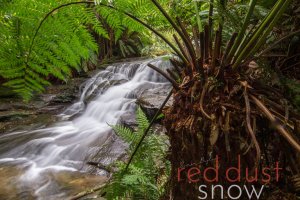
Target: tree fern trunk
187 146
196 142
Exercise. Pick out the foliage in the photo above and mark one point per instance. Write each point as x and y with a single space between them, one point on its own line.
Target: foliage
147 175
216 76
147 12
230 15
294 91
130 44
63 42
219 95
61 45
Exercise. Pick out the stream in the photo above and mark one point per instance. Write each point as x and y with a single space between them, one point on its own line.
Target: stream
50 163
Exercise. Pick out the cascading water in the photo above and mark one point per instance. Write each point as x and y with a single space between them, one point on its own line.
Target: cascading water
83 133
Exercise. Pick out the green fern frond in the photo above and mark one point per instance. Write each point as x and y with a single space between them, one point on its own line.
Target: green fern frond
140 181
62 44
142 120
125 133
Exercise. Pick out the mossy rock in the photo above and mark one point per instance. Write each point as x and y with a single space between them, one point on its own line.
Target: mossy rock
6 92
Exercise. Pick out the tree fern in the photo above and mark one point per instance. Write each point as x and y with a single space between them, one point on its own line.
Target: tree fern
64 40
61 45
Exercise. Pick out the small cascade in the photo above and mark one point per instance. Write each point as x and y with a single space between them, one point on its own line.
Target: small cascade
83 132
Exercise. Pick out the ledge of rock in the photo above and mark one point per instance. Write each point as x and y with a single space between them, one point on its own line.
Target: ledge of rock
128 120
151 100
15 114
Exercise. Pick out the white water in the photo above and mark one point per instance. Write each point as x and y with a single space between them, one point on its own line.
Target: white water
83 133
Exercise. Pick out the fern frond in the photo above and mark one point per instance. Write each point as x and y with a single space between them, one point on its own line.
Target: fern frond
142 120
125 133
62 44
140 181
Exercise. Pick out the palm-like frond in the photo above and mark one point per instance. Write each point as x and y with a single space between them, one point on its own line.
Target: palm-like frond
61 45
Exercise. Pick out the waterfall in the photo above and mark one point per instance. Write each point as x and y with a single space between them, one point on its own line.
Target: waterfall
83 132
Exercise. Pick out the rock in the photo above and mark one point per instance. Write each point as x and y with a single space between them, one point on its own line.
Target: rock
92 197
53 108
8 185
75 182
13 115
47 98
68 184
5 107
29 122
63 98
159 129
22 106
62 94
128 120
151 100
118 81
6 92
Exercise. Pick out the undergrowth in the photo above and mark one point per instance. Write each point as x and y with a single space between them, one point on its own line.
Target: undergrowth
147 175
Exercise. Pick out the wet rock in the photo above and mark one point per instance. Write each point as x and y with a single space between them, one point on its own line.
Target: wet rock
118 81
151 100
13 115
68 185
8 185
51 108
73 183
47 98
92 197
6 92
5 107
159 129
32 121
63 98
62 94
22 106
128 120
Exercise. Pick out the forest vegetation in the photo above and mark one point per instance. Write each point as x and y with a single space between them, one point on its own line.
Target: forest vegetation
235 80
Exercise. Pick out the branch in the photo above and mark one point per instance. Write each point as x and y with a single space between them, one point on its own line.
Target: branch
279 127
174 83
228 49
249 128
111 7
202 99
184 53
188 43
210 24
176 66
278 41
170 20
46 17
173 74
